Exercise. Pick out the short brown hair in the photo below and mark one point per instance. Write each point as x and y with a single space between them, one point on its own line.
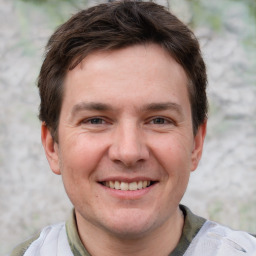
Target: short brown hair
112 26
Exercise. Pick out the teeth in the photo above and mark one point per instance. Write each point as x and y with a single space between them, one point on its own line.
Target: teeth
127 186
112 184
133 186
124 186
139 185
117 185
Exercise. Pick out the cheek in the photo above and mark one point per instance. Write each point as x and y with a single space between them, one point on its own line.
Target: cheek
78 163
174 153
82 154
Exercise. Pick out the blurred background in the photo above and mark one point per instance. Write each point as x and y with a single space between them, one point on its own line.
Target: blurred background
223 188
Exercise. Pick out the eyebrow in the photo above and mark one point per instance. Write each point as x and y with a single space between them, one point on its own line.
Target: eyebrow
82 106
163 106
90 106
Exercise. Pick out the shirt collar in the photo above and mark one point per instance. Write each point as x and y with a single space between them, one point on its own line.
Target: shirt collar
192 225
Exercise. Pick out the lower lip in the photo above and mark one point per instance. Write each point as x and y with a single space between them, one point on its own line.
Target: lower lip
129 194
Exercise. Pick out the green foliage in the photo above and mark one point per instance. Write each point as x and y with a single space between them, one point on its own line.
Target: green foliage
229 16
216 211
48 1
247 213
41 15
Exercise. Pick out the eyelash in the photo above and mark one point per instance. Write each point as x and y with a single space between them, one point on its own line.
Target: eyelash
160 120
90 121
164 121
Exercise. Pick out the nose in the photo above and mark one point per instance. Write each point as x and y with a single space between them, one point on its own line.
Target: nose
128 146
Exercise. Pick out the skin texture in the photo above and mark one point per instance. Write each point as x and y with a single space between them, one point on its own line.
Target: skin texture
126 116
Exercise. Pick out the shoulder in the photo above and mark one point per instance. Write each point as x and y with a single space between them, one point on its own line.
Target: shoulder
52 234
227 241
20 249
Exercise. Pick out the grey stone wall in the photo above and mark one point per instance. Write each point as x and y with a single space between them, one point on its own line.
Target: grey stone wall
223 188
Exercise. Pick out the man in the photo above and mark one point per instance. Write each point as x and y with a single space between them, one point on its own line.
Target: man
124 112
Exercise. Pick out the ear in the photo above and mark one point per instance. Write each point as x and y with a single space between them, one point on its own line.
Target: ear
198 145
51 149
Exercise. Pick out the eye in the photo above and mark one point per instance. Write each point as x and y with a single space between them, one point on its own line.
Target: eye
94 120
160 120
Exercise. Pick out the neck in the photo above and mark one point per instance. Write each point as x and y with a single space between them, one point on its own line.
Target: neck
161 241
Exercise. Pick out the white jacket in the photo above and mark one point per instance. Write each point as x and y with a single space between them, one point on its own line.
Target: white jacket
212 240
52 241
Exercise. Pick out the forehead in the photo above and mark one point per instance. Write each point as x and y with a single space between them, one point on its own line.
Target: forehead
142 72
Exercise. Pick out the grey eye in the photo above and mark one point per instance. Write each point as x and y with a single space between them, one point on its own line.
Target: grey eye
159 120
96 121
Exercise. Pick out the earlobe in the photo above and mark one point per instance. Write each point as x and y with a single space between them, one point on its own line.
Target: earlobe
198 145
50 148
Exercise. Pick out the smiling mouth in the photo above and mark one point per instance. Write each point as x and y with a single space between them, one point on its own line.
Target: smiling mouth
126 186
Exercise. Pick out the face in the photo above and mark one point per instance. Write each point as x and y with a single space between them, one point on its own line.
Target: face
125 139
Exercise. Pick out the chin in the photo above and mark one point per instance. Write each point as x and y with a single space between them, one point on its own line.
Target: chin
130 225
129 232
